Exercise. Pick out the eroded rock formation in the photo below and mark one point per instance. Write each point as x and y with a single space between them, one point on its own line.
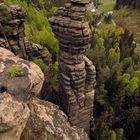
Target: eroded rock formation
12 29
12 34
21 79
40 120
12 37
77 73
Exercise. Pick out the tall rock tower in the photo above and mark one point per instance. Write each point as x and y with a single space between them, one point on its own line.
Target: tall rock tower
76 71
12 29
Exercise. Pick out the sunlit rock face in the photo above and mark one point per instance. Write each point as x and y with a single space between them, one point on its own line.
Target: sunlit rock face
76 71
19 77
13 117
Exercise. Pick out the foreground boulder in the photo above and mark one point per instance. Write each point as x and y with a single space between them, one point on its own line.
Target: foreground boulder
13 117
19 77
47 122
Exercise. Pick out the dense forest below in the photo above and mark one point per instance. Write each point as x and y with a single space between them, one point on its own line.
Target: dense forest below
114 53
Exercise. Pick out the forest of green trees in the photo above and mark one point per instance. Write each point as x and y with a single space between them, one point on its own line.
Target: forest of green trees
116 106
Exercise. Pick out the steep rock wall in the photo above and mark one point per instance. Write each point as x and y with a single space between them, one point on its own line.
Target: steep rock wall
21 80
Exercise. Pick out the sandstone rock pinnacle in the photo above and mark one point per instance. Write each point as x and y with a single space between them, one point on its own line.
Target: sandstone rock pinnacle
76 72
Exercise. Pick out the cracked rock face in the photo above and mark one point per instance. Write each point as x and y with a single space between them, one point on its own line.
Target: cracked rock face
13 117
48 122
19 77
76 72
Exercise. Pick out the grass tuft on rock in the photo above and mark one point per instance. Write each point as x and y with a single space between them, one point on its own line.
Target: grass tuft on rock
14 71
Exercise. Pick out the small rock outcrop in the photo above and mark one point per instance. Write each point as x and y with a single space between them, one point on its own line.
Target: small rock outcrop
76 72
19 77
13 117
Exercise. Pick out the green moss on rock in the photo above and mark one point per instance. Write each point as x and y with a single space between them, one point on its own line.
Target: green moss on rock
14 71
42 65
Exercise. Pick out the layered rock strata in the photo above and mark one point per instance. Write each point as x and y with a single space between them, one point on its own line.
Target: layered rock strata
12 35
12 29
77 73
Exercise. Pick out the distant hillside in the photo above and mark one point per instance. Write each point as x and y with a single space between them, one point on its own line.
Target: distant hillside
126 15
129 19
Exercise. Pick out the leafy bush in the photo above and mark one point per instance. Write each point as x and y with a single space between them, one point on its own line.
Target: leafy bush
14 71
120 133
55 78
112 135
42 65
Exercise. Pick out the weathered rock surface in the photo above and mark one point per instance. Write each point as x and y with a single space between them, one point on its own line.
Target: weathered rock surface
48 122
29 80
77 73
12 35
13 117
44 120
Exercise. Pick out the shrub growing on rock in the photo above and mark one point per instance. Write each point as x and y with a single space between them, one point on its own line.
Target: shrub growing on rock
14 71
